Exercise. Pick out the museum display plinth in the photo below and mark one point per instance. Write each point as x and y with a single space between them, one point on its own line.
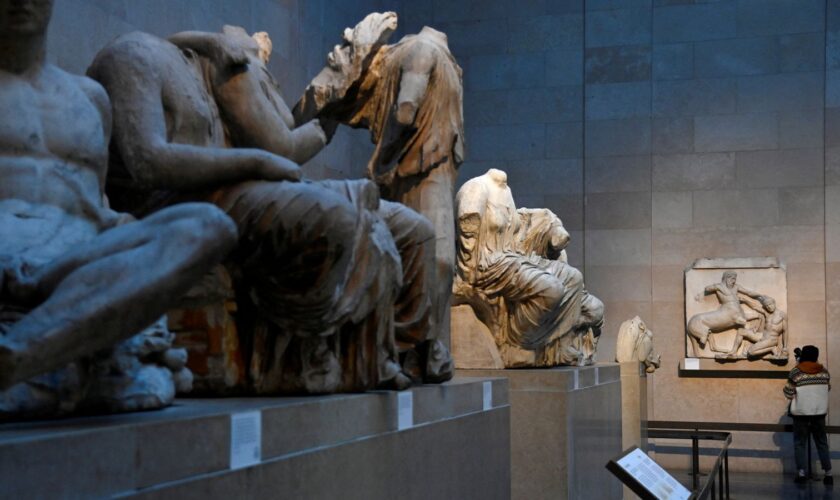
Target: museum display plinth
633 405
633 410
455 444
565 426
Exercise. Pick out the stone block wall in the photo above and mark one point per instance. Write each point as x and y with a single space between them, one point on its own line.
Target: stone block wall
660 131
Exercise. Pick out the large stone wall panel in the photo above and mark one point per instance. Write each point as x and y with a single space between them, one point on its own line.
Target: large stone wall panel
687 23
744 132
617 174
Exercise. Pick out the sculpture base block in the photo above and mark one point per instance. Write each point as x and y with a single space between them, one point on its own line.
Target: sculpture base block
565 427
453 442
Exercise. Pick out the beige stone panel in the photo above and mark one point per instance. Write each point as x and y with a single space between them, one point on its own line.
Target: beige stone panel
760 401
672 209
667 283
832 205
736 208
667 322
831 356
694 399
619 283
790 244
804 206
617 312
806 322
618 247
832 281
806 282
618 210
832 243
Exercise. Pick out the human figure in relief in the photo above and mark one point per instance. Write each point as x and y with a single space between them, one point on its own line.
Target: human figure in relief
729 315
75 276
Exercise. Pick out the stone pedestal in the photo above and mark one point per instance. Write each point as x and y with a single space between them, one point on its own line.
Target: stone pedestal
633 410
633 405
565 426
453 443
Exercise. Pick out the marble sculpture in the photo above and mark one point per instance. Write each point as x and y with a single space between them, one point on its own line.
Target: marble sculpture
78 280
513 272
317 269
635 344
410 96
760 323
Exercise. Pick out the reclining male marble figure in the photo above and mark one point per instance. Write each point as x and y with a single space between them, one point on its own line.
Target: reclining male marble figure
314 259
76 278
512 271
410 95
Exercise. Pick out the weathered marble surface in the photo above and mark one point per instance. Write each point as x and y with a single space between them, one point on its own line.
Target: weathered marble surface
512 271
410 96
324 273
78 280
736 310
635 344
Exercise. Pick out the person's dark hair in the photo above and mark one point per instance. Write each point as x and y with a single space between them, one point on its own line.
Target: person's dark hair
809 353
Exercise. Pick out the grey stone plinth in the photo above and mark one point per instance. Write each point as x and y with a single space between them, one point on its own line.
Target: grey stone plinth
337 446
565 426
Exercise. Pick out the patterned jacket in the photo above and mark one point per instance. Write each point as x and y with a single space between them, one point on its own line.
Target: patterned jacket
807 388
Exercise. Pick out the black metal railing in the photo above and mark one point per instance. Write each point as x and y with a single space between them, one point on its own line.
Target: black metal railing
718 478
735 426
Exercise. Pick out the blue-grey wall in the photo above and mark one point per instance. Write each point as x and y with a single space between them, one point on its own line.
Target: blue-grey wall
660 131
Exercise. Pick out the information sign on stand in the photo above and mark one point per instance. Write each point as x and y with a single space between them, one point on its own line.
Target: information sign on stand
645 477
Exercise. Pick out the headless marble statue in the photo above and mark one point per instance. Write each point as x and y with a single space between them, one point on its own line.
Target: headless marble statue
410 96
315 263
76 278
512 271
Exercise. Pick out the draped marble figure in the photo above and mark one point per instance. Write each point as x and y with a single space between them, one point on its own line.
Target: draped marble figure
512 270
410 96
78 280
316 261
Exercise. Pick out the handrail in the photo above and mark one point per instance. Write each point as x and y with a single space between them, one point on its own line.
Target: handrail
721 461
656 426
730 426
720 471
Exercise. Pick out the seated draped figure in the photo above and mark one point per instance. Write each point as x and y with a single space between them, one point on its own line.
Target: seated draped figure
512 272
82 287
330 284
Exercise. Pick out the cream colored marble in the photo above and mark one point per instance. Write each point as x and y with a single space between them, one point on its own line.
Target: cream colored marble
512 270
635 344
736 309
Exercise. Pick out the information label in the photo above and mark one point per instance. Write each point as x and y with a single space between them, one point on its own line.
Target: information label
405 410
692 363
245 439
652 476
487 396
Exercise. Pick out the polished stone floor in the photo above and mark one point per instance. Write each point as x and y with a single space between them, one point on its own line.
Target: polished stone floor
757 486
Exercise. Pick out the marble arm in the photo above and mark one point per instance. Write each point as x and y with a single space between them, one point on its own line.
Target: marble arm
140 136
414 82
748 293
214 46
253 120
